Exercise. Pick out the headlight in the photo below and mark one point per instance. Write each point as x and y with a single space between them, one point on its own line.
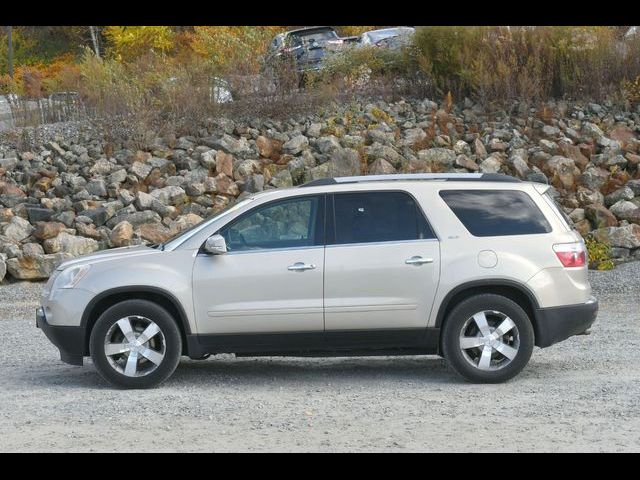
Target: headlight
70 277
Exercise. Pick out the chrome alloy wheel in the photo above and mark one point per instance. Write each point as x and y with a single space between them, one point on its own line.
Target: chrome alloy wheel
489 340
135 346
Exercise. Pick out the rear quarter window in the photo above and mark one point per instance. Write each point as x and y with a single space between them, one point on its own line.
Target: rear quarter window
490 213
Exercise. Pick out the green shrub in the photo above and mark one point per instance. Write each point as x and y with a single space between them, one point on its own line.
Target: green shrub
599 254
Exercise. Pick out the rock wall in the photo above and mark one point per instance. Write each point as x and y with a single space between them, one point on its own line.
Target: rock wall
73 193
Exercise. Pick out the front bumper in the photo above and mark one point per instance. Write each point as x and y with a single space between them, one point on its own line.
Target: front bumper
69 340
556 324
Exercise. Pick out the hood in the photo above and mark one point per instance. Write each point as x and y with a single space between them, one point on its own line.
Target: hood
112 254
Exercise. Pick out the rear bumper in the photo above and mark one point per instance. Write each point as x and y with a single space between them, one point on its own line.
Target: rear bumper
555 324
69 340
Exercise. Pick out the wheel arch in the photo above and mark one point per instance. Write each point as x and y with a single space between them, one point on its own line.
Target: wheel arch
110 297
512 290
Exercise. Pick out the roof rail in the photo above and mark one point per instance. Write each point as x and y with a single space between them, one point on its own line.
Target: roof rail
456 177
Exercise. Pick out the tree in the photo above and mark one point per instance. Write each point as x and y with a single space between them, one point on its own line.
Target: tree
10 50
94 40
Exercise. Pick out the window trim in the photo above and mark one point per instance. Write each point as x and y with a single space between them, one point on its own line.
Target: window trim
494 190
321 211
330 219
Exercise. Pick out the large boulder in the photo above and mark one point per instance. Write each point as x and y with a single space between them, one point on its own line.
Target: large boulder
562 172
625 210
17 229
599 216
295 145
170 195
122 234
71 244
627 236
37 267
439 159
344 164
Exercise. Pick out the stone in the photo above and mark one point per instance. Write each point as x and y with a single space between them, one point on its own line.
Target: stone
377 150
491 164
17 229
328 145
625 210
70 244
35 268
101 167
246 168
562 172
599 216
141 170
254 183
519 165
381 167
634 185
627 236
594 178
465 162
3 268
414 136
479 148
8 164
282 179
32 249
232 145
461 148
184 222
439 159
98 216
588 197
344 164
295 145
45 230
170 195
97 187
268 147
549 146
38 214
226 185
624 193
224 163
154 233
118 176
122 234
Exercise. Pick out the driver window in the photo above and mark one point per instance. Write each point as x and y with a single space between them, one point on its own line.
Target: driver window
285 224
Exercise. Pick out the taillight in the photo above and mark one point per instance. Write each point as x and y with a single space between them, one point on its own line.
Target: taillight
571 254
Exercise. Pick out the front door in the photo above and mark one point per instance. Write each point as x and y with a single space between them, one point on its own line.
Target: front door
382 263
271 278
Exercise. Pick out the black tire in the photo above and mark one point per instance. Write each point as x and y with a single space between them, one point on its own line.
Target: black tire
171 339
461 362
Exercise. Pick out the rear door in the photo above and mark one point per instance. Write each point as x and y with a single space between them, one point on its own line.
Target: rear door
382 262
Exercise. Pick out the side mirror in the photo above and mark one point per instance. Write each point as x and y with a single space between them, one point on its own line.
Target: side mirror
215 245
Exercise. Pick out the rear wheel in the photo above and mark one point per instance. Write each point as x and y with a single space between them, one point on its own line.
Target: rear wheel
135 344
487 338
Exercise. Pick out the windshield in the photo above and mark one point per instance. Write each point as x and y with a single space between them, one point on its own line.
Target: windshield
317 36
185 234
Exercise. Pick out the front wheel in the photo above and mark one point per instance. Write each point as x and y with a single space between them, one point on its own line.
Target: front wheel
487 338
135 344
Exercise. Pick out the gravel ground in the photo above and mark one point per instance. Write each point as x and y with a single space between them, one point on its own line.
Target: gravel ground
579 395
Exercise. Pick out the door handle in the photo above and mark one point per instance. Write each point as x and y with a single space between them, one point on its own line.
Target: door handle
299 267
418 260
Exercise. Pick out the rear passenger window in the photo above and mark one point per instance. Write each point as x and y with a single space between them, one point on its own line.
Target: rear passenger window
488 213
378 217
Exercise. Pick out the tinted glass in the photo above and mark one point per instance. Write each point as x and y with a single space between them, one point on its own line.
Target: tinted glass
286 224
488 213
378 217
